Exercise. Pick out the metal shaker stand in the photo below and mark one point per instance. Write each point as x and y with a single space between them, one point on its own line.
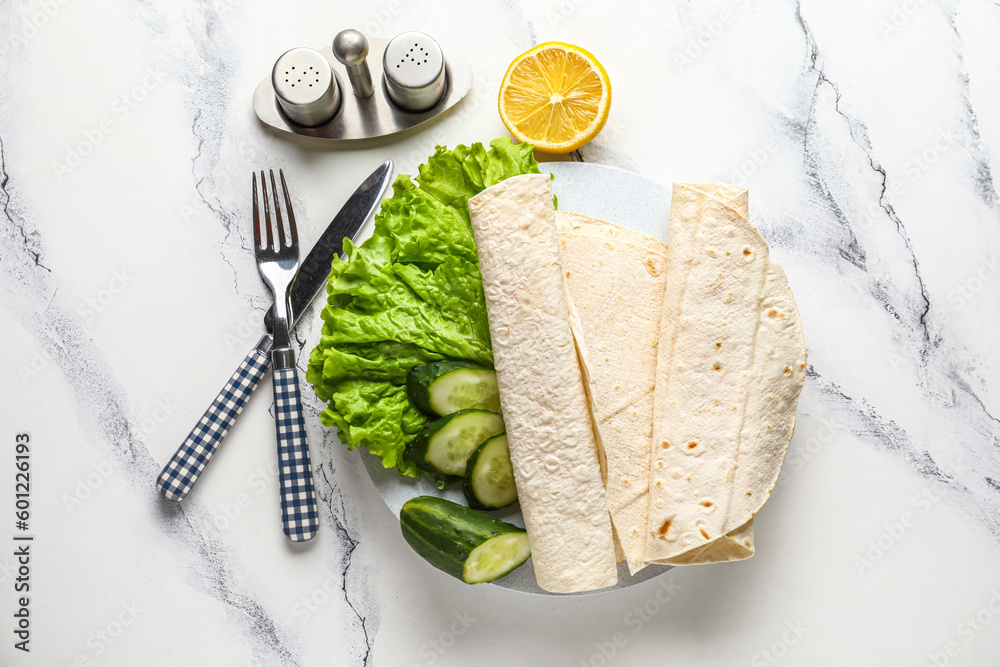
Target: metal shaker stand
357 117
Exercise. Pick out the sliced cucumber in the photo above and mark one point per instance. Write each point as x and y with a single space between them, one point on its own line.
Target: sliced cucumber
444 387
496 557
444 445
489 477
467 544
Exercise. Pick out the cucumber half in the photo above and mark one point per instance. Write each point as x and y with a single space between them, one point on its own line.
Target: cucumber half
444 445
467 544
489 476
444 387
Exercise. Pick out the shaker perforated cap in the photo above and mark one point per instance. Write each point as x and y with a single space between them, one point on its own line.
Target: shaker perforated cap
414 70
305 86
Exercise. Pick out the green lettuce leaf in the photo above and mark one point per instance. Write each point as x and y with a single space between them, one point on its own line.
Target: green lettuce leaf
409 295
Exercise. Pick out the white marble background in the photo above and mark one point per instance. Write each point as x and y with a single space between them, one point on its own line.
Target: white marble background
869 133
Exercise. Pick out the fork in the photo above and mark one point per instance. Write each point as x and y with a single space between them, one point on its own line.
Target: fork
278 262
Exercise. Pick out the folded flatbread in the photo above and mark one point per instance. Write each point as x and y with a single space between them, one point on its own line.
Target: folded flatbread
731 363
553 448
616 279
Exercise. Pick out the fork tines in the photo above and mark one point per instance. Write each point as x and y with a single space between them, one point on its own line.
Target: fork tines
292 238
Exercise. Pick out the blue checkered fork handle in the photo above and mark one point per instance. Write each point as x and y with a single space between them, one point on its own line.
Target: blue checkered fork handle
299 514
187 464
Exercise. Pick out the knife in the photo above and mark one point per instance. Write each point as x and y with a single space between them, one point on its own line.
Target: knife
185 467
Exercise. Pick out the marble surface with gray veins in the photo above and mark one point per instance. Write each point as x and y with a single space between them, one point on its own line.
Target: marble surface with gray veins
869 136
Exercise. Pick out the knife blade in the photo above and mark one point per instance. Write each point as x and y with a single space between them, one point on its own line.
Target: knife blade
189 461
316 266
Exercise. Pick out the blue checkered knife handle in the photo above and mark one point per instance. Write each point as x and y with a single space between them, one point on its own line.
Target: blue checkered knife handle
187 464
299 514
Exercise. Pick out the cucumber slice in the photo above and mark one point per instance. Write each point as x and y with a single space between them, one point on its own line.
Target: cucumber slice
496 557
444 387
489 477
444 445
467 544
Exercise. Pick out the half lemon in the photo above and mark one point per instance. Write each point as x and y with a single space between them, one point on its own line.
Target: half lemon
555 96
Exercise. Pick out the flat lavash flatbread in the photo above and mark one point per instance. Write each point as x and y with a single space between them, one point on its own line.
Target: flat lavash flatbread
616 278
730 368
552 444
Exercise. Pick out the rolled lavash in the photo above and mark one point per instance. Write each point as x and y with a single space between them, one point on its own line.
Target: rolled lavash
616 279
553 448
731 364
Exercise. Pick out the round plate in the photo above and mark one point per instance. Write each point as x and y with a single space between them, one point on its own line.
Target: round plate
608 193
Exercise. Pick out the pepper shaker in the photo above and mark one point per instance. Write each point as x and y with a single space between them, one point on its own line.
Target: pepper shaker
414 71
305 86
